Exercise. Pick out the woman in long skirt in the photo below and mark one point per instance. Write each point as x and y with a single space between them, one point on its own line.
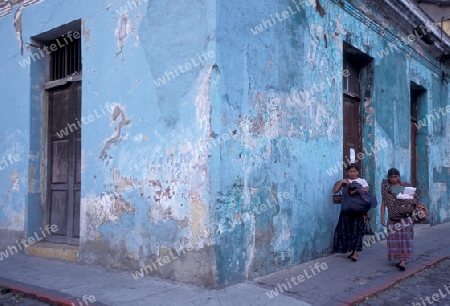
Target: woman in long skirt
349 232
400 224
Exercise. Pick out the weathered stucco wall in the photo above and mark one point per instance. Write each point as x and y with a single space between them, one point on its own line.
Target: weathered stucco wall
234 153
281 89
14 137
272 208
146 172
145 168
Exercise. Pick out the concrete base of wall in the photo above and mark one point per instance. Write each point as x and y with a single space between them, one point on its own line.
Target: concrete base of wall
54 250
9 238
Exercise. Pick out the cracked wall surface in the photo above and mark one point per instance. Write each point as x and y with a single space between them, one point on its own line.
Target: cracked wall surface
281 87
228 153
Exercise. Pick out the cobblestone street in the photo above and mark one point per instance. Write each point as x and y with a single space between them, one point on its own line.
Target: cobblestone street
418 290
10 299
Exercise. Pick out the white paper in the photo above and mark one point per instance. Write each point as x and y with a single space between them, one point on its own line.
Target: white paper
407 194
409 190
352 156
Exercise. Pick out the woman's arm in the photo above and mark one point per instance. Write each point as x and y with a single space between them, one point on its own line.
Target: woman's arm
364 184
339 184
383 210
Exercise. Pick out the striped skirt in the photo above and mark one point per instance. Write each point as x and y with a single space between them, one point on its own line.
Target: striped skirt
349 233
400 239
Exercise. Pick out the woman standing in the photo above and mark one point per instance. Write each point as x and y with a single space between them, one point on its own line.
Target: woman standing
349 232
400 224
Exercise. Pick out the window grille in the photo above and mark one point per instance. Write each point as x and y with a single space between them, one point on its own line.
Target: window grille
66 59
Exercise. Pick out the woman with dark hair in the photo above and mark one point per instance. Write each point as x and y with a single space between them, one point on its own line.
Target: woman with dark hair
400 224
349 232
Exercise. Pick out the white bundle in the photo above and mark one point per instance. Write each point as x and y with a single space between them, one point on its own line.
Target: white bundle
407 194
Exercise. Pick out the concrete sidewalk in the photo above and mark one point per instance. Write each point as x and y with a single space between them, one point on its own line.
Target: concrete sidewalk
332 280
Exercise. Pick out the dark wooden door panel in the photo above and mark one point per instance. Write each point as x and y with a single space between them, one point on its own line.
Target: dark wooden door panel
78 161
60 163
60 110
76 215
58 211
351 128
65 162
414 96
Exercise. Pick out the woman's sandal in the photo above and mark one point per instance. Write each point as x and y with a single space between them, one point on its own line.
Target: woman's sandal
351 256
402 268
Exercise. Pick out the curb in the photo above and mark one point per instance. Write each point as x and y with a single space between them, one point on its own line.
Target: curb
45 295
390 281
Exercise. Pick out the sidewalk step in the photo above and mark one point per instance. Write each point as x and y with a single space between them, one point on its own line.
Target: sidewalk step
54 250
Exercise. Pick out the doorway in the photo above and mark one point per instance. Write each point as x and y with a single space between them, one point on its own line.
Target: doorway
64 163
63 134
351 128
417 94
351 109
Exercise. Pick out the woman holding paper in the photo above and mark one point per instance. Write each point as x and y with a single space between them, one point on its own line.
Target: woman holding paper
400 206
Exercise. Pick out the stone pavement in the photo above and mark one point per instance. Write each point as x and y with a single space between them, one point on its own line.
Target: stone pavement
429 286
13 299
332 280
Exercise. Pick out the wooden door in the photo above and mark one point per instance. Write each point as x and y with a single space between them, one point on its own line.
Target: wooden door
351 129
64 163
413 128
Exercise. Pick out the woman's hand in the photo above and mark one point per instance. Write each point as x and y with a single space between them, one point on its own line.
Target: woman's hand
338 185
382 211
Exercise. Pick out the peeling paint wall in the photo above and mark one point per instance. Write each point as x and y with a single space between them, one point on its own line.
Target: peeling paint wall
146 173
281 89
288 135
145 163
228 153
14 136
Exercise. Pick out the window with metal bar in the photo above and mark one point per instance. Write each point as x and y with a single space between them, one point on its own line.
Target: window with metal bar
66 59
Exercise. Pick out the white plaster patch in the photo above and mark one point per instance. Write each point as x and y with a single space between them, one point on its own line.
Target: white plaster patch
369 112
286 228
297 113
15 182
250 243
316 36
338 33
198 225
138 138
106 208
122 31
18 25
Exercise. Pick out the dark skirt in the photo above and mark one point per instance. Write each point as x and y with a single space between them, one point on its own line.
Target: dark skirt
400 240
349 233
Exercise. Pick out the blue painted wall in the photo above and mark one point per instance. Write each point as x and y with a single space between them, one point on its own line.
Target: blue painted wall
281 89
233 153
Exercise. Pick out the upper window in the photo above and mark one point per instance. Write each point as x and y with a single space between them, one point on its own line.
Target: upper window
65 55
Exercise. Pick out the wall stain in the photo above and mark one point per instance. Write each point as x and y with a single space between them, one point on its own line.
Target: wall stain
320 9
18 27
15 187
115 138
86 33
106 208
122 32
